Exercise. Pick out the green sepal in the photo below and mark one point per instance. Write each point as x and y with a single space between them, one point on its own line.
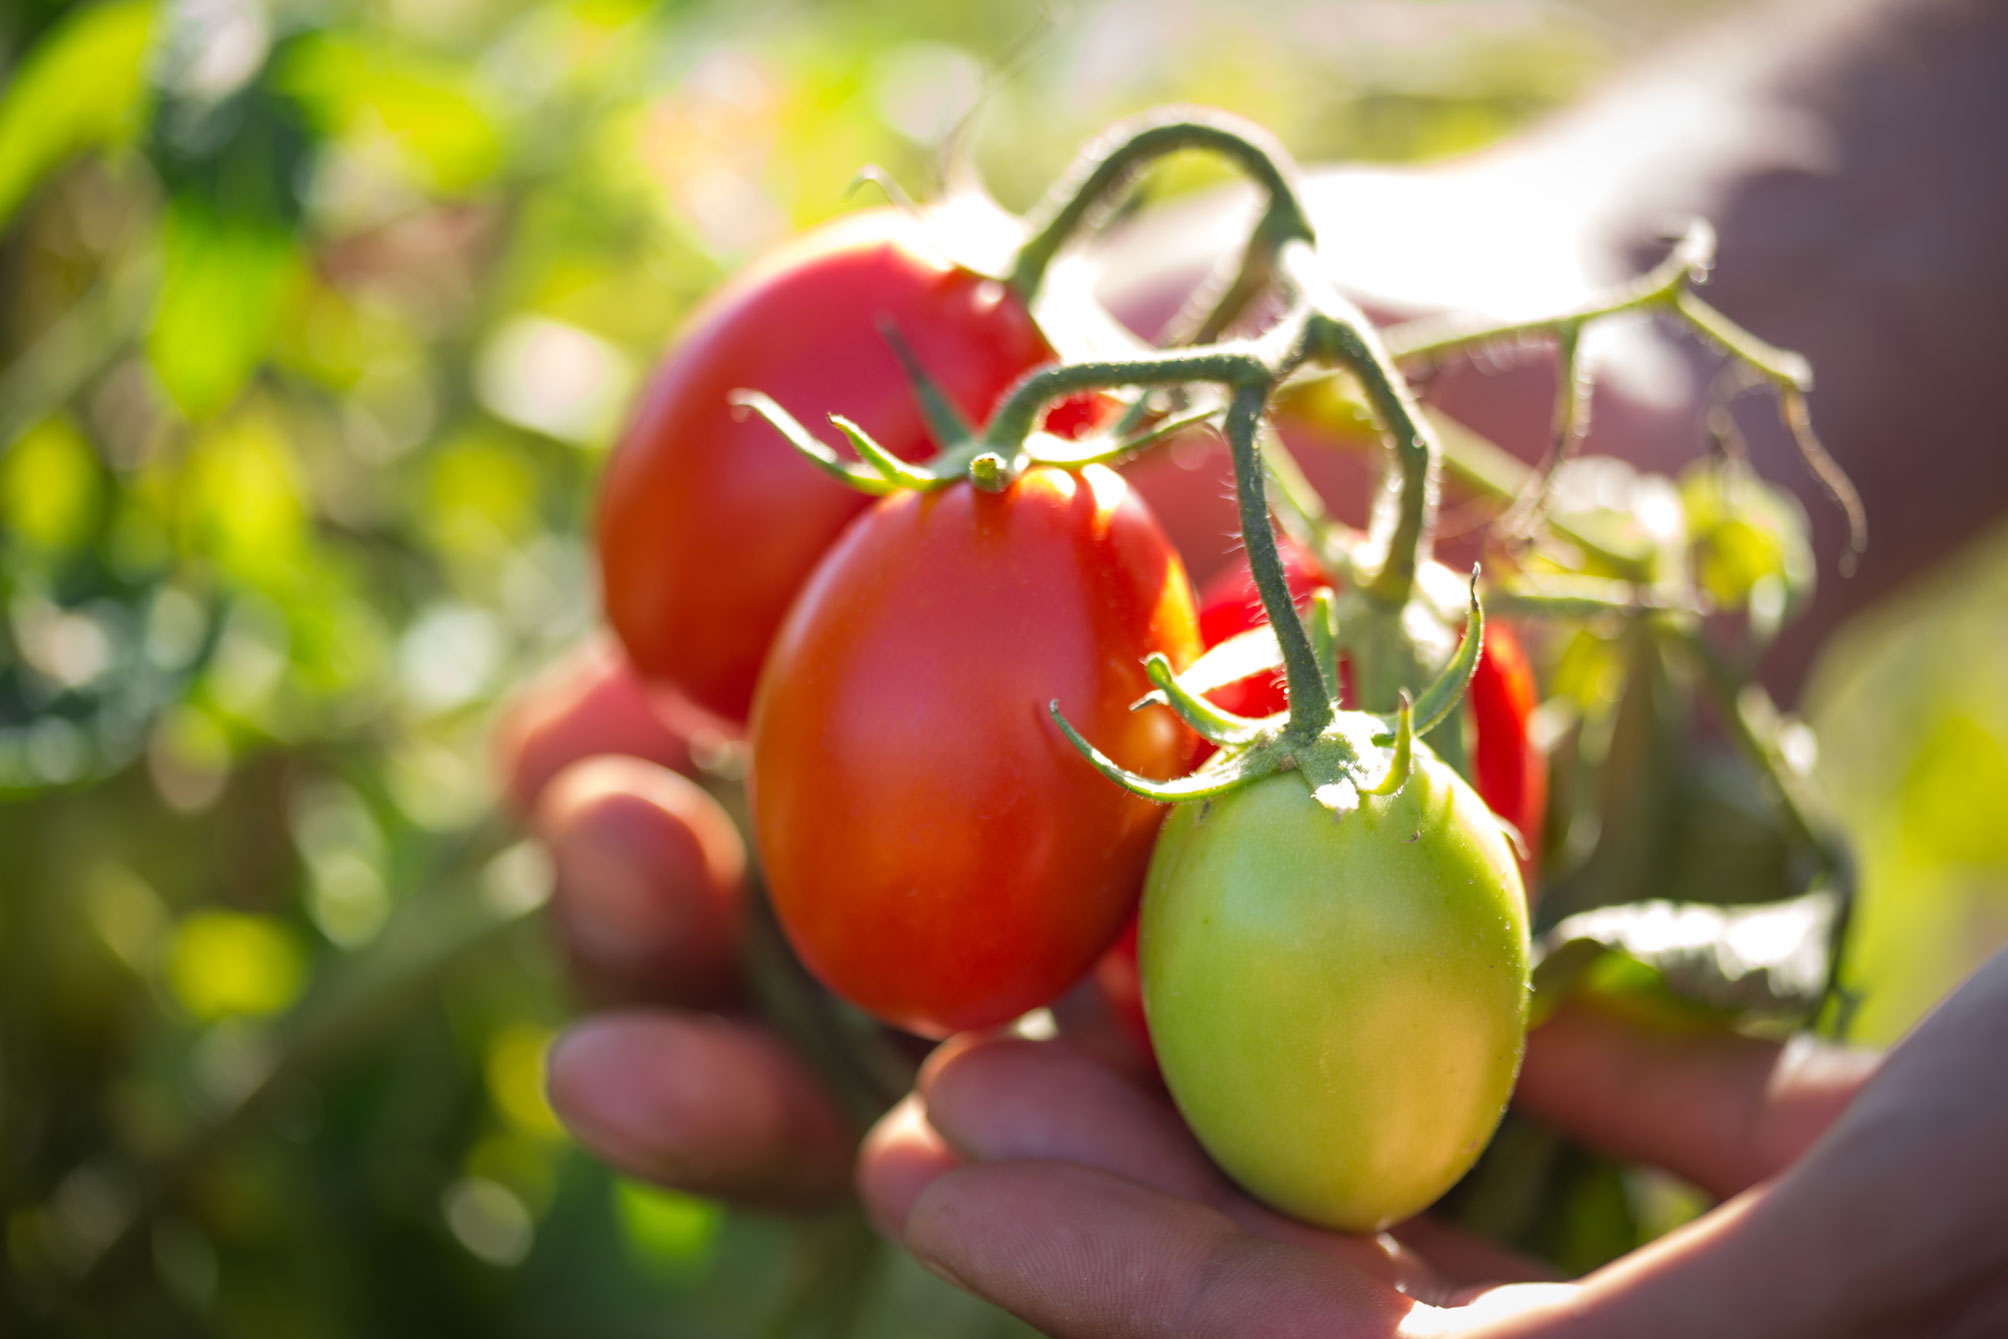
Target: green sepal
1209 722
812 450
1321 620
1403 762
1333 776
1447 690
896 472
944 421
1225 772
1109 449
1233 660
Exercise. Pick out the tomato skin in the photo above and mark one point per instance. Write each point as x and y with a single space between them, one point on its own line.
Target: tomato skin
708 521
1508 770
936 851
1338 1005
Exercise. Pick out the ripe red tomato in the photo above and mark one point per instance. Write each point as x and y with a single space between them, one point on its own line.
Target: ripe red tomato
708 522
936 851
1508 772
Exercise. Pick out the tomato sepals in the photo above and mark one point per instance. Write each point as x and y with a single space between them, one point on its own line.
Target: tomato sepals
817 454
1340 763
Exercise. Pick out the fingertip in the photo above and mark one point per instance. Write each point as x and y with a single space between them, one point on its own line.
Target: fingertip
901 1157
588 703
996 1099
650 881
707 1105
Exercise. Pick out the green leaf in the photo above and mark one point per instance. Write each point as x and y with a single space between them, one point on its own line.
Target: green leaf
441 124
82 86
51 487
227 962
240 502
224 283
1771 960
1750 541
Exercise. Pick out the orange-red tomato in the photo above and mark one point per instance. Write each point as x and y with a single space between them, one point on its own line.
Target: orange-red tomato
708 522
935 850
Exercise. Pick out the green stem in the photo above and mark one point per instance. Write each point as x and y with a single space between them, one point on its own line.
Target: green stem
1404 517
1752 731
1310 705
1661 286
1018 414
1481 466
1750 715
1112 160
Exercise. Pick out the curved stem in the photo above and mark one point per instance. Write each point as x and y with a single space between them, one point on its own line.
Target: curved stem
1405 517
1108 163
1018 413
1661 286
1310 705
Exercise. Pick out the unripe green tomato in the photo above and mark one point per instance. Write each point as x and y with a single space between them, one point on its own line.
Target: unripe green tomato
1339 1004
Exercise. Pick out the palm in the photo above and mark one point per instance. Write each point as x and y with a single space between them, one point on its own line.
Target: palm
1033 1175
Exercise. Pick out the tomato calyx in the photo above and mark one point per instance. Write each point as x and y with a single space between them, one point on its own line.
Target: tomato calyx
1353 753
991 458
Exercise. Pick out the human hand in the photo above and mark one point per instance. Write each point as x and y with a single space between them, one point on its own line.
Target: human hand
672 1080
1865 1194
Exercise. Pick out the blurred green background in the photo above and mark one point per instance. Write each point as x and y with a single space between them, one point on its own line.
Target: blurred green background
317 321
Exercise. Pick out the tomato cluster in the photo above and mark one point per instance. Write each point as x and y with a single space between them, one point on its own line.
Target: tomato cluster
938 853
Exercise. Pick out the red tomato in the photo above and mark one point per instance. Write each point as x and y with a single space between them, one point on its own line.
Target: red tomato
708 522
1507 771
936 851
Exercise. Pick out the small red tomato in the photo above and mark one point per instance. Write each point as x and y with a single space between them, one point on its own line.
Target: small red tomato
708 522
935 850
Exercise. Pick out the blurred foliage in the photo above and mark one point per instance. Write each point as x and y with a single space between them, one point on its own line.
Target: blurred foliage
317 319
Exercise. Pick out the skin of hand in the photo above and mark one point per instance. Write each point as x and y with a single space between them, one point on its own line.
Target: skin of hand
1076 1198
1867 1195
1045 1177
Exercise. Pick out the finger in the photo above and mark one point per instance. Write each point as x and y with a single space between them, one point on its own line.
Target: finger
901 1157
1891 1225
590 703
704 1104
1465 1258
650 882
1083 1254
1721 1110
1083 1018
1002 1099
